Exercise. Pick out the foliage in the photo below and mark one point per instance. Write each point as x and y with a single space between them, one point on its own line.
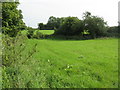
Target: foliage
41 26
12 49
112 31
55 23
14 57
90 27
30 32
95 25
52 24
71 26
11 18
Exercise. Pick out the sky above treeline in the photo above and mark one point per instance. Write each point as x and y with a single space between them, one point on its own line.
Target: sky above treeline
39 11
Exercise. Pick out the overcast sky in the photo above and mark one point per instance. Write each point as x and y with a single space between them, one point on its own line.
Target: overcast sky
36 11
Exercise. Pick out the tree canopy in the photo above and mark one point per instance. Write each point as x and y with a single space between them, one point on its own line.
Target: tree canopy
11 18
95 25
70 26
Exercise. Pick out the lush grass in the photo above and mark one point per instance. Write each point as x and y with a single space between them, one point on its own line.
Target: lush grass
46 32
72 64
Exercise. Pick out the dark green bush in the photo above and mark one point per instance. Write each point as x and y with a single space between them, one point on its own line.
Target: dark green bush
112 31
12 32
12 21
71 26
30 33
95 25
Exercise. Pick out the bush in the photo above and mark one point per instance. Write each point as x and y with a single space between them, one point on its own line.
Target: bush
12 32
12 49
112 31
14 56
30 33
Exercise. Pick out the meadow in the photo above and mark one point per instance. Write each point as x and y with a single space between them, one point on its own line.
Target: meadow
81 53
68 64
46 32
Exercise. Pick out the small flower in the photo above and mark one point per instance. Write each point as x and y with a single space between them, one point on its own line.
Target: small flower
48 60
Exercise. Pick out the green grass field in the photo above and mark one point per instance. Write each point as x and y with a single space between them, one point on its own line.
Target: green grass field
70 64
48 32
67 64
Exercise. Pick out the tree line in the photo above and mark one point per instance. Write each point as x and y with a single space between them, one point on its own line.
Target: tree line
90 25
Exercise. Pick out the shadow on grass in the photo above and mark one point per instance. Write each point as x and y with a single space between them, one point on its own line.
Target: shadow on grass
69 38
62 37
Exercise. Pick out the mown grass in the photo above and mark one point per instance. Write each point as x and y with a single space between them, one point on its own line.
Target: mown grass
70 64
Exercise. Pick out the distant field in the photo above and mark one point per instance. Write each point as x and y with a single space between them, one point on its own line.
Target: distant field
48 32
71 64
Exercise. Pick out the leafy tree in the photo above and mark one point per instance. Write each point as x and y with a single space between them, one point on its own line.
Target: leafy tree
59 21
0 15
11 18
71 26
51 22
96 26
41 26
113 29
54 23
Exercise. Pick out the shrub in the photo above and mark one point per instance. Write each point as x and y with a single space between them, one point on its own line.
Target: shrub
13 57
112 31
12 32
30 33
12 49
